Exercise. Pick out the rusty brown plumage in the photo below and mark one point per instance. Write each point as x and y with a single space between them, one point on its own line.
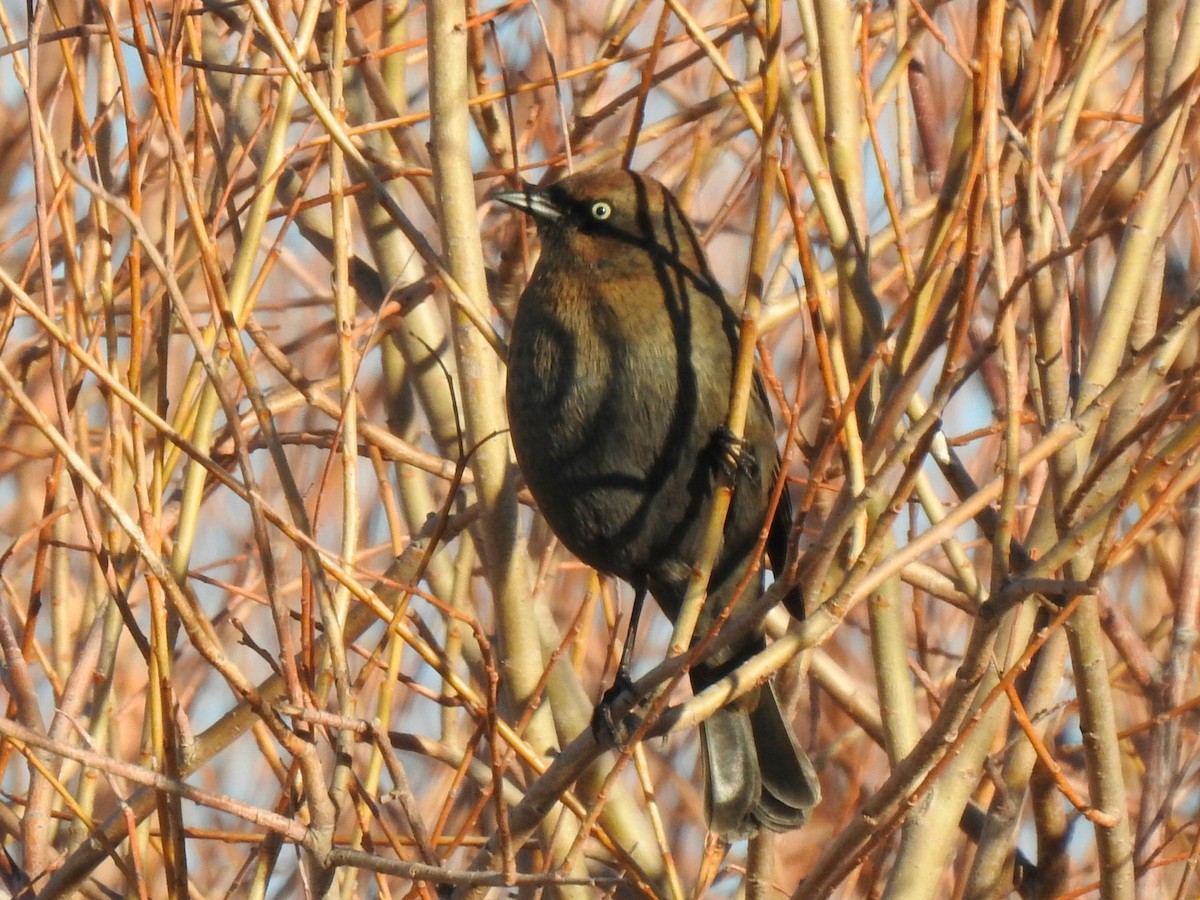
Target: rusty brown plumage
620 363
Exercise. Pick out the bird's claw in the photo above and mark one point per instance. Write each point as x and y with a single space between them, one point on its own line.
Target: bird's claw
608 731
734 454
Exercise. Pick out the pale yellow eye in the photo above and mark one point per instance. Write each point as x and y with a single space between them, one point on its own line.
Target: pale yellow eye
601 210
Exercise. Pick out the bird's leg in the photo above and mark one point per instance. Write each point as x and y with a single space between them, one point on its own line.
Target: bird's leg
623 680
605 728
734 455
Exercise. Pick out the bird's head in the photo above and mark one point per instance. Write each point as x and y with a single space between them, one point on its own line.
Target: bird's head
601 215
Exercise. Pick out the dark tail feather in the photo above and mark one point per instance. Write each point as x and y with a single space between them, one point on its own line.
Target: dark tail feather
790 788
757 775
732 767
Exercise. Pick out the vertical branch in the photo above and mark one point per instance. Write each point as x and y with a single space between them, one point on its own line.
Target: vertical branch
503 550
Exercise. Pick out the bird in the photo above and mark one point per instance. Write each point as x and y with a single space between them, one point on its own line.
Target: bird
620 363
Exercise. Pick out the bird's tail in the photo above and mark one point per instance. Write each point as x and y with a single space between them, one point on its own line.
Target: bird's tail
758 776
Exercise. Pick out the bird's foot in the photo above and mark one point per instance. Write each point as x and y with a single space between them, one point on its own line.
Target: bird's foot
609 731
734 455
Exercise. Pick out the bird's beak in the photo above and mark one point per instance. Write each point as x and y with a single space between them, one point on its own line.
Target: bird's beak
531 201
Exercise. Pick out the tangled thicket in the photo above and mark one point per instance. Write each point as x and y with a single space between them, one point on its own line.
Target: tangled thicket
275 615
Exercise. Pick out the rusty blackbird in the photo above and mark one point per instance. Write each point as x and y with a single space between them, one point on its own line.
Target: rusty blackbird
619 371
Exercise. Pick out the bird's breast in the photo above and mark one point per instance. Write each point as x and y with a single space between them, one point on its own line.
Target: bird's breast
558 369
595 412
